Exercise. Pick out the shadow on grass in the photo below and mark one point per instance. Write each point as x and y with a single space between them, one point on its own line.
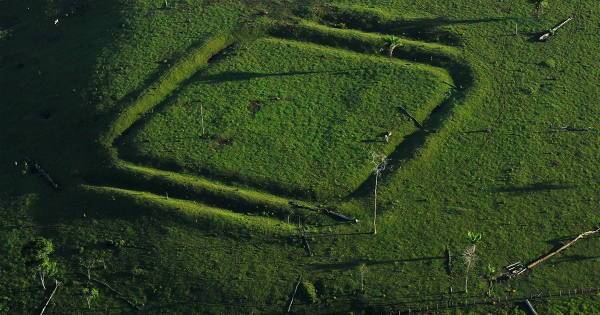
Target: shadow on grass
575 258
557 242
232 76
536 187
411 144
355 263
338 234
428 29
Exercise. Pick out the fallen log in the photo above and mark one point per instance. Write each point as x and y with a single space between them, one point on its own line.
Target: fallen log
517 269
562 248
301 205
339 216
545 36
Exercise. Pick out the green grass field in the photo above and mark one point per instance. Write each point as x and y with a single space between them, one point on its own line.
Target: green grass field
295 117
105 96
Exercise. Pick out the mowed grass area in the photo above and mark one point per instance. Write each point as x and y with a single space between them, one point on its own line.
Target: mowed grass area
524 186
291 117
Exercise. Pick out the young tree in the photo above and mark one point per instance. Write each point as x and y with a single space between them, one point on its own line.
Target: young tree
362 269
380 163
469 255
37 259
90 294
391 43
490 274
93 260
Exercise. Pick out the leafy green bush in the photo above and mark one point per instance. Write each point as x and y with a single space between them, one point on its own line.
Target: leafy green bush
308 292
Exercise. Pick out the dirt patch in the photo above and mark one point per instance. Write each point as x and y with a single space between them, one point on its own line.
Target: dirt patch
255 106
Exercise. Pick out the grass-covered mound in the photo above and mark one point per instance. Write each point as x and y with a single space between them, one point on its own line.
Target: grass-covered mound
290 116
500 164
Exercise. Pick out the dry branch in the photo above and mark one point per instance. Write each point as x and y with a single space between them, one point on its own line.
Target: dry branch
289 309
530 307
119 294
56 284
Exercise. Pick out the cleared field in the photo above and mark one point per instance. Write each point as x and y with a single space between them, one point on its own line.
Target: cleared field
288 116
198 221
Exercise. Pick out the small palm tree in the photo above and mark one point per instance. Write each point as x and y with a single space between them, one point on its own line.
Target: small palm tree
470 256
391 43
473 237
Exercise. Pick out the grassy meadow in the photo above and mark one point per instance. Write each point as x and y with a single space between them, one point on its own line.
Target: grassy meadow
293 117
200 221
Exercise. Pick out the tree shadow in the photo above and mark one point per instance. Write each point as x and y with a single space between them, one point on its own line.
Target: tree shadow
234 76
427 29
536 187
338 234
355 263
422 23
410 145
574 258
486 130
557 242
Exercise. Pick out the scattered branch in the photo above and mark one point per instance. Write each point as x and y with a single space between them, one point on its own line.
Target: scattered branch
117 293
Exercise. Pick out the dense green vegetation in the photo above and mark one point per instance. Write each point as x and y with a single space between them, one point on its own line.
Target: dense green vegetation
77 74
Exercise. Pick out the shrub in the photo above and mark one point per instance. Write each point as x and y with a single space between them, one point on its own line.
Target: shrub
308 292
549 63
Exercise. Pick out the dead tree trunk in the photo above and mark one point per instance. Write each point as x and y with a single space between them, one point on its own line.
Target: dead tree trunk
562 248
